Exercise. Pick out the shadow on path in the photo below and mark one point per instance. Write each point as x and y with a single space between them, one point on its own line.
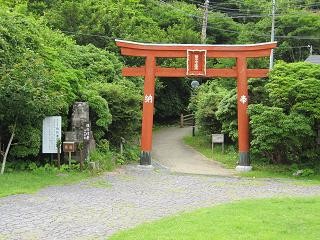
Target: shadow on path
170 151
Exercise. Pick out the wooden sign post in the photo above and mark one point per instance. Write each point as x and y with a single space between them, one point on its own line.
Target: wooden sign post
69 147
196 55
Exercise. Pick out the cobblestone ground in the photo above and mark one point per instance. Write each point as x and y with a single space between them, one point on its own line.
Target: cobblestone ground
97 208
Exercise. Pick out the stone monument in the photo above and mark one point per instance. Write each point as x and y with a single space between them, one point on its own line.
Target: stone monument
81 129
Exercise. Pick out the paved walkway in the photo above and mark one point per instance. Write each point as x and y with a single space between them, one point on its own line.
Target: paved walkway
124 199
169 151
97 208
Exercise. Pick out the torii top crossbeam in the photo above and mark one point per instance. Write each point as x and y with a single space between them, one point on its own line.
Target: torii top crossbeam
129 48
233 48
196 55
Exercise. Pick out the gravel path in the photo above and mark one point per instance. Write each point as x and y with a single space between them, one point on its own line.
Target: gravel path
97 208
169 151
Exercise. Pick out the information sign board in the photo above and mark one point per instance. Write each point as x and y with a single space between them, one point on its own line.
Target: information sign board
51 133
217 138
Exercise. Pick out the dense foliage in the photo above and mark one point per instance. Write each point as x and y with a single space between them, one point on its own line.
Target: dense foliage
293 102
246 21
56 52
44 72
284 113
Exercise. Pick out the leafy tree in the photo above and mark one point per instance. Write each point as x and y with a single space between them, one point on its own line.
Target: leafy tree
284 112
281 140
295 87
25 99
205 105
68 72
43 73
226 113
296 30
293 102
124 101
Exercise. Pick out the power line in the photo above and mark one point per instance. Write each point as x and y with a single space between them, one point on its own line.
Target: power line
228 9
223 8
267 36
260 35
249 16
198 16
250 12
239 3
294 47
113 38
233 17
179 10
88 34
210 27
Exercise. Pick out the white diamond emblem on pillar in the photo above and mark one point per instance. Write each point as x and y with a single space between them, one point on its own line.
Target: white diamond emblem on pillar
243 99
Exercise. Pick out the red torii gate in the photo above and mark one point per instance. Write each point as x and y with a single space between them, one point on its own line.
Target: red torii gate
196 55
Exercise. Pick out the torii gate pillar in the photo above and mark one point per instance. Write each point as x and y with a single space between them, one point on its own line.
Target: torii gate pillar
196 55
243 119
148 109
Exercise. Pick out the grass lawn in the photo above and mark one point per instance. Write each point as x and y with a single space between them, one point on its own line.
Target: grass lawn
266 219
30 182
230 157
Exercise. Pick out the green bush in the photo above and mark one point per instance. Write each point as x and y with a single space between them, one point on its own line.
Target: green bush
124 101
307 172
205 105
44 72
284 113
278 136
227 114
131 152
103 158
284 126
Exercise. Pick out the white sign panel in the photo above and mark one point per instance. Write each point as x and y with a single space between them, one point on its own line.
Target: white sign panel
51 133
217 138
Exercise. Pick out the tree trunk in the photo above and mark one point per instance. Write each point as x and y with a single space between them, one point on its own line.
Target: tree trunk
7 150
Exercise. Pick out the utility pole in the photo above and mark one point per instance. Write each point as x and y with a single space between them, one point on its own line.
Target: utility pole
272 33
205 22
